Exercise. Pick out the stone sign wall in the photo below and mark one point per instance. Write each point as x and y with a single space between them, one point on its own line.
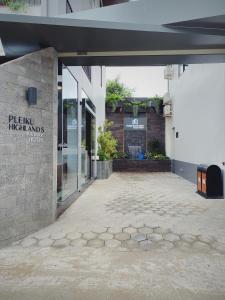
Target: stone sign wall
28 137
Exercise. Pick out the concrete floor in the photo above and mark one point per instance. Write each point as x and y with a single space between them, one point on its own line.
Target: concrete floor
133 236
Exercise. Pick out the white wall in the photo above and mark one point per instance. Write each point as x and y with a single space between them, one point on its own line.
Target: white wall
169 137
199 114
93 89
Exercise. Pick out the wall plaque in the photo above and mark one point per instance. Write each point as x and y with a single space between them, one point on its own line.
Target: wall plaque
138 123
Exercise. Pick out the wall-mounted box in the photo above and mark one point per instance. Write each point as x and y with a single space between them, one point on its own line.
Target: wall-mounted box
167 110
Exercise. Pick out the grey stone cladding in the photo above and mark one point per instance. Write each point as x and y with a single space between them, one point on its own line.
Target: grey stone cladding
28 156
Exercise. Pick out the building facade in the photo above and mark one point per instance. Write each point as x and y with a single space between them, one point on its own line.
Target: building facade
195 118
48 139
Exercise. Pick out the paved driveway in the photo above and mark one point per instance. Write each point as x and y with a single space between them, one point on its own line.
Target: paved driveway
134 236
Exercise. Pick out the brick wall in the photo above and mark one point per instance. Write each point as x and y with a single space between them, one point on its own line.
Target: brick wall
134 138
155 130
118 127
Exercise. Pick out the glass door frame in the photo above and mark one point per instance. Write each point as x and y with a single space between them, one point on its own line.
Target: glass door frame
61 195
85 105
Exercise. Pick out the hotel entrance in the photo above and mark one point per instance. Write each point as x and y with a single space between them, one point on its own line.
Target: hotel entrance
76 126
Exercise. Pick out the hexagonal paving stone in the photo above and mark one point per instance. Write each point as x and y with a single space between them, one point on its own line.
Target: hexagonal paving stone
105 236
138 237
45 242
165 245
182 245
112 244
188 238
221 239
78 243
146 245
99 229
145 230
114 230
57 235
122 236
73 235
206 239
161 230
60 243
41 235
219 247
171 237
130 244
130 230
201 246
89 235
96 243
29 242
155 237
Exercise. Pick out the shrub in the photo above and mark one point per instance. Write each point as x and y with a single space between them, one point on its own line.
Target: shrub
160 157
106 142
155 146
116 91
157 102
155 156
120 155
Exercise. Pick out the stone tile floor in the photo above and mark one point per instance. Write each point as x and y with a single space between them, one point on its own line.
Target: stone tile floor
133 236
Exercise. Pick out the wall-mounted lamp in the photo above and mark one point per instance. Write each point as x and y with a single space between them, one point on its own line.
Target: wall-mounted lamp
32 96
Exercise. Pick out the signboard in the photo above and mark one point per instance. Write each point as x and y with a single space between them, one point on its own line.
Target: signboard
23 129
138 123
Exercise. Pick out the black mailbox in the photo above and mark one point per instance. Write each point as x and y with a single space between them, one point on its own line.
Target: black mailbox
210 181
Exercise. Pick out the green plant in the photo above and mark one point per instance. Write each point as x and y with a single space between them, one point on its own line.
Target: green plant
116 91
157 102
120 155
156 156
15 5
148 155
155 146
135 110
136 105
106 142
160 157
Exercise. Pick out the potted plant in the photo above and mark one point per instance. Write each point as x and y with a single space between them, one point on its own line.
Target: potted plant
106 150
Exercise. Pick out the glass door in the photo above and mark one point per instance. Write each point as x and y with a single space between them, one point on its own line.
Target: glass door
88 140
67 137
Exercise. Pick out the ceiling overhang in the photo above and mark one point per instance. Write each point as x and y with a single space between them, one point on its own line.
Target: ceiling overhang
87 39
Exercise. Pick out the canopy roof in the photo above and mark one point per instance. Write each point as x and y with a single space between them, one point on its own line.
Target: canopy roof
144 32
